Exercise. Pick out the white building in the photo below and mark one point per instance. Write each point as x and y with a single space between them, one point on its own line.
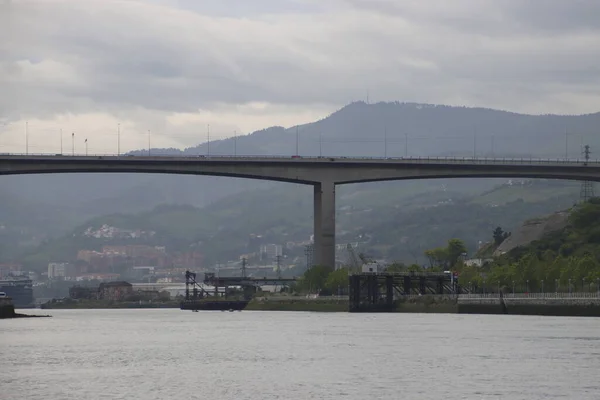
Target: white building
271 251
58 270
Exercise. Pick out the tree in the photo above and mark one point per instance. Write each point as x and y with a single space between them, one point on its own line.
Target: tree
337 279
437 257
499 235
456 248
314 279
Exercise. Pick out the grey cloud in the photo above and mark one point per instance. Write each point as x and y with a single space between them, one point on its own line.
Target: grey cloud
135 57
492 17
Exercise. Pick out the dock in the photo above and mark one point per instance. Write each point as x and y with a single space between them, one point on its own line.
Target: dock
377 292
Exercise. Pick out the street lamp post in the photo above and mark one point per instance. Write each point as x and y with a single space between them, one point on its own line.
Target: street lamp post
119 139
234 143
61 146
569 286
527 286
556 285
384 142
582 284
320 144
542 287
513 282
86 147
73 143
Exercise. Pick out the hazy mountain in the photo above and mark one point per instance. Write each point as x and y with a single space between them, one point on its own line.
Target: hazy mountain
358 129
400 225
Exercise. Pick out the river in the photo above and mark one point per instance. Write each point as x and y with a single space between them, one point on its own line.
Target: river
173 354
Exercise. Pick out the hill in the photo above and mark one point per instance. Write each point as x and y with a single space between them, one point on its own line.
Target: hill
533 230
562 259
358 129
398 226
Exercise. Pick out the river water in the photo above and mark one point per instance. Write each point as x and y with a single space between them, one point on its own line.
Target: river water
173 354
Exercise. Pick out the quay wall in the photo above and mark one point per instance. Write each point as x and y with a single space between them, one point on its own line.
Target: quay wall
7 308
584 305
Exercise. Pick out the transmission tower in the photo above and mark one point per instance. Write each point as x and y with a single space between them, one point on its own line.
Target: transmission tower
244 267
308 252
278 259
353 261
587 187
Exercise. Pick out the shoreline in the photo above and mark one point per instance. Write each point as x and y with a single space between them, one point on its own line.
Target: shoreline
425 304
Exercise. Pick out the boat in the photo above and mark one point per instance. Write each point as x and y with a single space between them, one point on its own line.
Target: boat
20 289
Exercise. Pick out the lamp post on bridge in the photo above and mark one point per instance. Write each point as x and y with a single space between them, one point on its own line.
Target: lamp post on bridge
384 142
86 147
320 144
73 143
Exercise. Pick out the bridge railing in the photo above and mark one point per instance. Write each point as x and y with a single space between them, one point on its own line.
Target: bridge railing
466 160
548 295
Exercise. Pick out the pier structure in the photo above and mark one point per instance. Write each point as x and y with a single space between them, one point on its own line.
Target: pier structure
377 292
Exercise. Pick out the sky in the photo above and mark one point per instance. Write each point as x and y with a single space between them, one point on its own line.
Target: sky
165 70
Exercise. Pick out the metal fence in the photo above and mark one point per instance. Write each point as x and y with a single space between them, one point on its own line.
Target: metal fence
549 295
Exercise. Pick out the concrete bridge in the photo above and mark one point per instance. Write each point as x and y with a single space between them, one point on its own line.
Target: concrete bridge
323 173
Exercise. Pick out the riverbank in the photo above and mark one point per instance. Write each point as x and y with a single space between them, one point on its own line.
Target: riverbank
550 304
446 304
68 304
292 303
7 311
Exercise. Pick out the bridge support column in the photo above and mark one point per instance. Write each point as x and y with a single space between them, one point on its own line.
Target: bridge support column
324 224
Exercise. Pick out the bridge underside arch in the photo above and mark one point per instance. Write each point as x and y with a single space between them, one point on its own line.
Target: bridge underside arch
322 175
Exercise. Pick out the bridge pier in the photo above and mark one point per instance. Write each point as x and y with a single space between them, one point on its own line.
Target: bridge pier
324 224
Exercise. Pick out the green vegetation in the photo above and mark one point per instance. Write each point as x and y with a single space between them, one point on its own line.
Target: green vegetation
568 259
400 228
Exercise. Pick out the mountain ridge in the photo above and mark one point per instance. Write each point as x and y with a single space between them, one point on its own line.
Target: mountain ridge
357 129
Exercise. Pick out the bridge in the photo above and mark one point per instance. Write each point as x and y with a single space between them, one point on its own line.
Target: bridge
323 173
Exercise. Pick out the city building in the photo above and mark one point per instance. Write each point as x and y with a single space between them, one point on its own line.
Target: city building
115 291
83 292
270 251
59 270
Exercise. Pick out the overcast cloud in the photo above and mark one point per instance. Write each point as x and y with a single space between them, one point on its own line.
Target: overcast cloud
172 67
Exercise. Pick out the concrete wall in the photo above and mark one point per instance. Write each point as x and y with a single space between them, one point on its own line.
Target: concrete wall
7 309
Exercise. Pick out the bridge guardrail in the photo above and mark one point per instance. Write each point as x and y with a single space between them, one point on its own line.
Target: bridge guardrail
465 160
